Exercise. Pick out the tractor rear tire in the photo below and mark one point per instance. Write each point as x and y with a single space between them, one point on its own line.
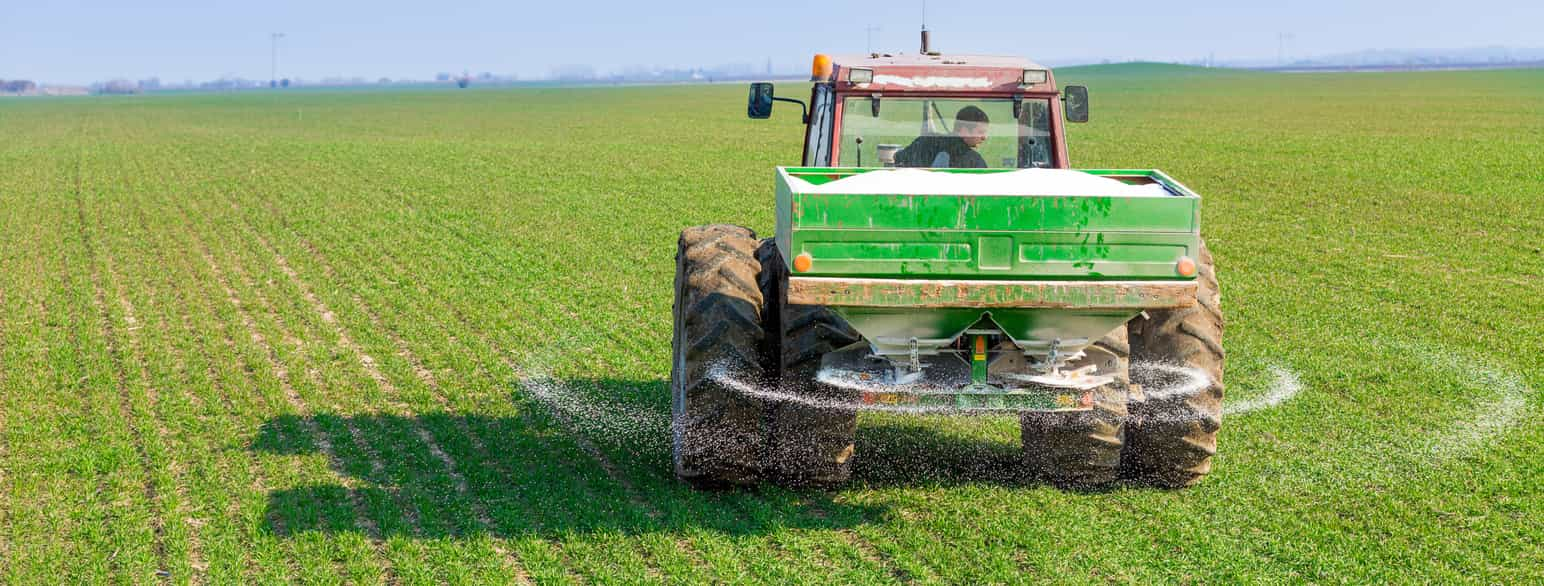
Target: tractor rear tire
1082 449
812 441
1172 438
718 430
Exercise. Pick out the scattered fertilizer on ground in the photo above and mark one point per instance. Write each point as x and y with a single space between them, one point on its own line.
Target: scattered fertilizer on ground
592 414
589 411
1162 380
1500 403
1503 399
1284 386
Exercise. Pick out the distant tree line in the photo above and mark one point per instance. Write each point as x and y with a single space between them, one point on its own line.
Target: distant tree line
125 87
118 87
18 86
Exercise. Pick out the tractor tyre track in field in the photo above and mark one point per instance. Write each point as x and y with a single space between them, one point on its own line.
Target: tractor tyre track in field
329 317
525 383
72 319
477 443
121 380
303 412
510 562
487 458
201 567
509 559
226 411
552 395
535 387
486 455
73 328
208 300
362 520
259 483
367 363
378 472
530 383
177 468
197 560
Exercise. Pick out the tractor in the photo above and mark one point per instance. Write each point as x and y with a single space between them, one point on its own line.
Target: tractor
936 252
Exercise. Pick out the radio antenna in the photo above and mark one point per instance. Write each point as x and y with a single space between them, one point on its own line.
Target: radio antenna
925 44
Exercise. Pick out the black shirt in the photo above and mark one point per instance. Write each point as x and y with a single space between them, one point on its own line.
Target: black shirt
945 150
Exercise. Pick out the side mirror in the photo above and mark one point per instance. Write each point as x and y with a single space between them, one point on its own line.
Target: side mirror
1075 98
759 106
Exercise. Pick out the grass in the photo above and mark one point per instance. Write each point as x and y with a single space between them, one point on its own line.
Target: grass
272 338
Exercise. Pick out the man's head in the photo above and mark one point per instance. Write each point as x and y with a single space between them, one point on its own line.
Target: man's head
970 125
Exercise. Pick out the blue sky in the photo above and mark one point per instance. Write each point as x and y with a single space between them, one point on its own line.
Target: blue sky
81 41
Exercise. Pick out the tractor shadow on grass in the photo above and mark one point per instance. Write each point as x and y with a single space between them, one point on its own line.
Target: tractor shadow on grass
582 456
525 475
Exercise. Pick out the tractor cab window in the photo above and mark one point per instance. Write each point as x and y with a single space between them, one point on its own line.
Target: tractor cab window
944 132
817 148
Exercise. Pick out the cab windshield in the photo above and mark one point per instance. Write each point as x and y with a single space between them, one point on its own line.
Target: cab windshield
945 132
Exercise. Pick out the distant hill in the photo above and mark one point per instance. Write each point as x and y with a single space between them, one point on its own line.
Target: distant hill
1140 69
1496 56
1372 59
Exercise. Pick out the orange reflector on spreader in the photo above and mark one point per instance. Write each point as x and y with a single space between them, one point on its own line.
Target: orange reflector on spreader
802 262
1185 267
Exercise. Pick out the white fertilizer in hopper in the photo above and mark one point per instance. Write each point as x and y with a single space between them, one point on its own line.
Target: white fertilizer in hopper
1020 182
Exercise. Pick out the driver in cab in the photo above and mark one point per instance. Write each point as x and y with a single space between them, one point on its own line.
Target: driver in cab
955 150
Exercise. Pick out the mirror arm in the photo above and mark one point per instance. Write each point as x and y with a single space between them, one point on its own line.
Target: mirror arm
804 112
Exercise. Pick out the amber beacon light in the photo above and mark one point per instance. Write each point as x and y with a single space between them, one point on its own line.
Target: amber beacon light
820 69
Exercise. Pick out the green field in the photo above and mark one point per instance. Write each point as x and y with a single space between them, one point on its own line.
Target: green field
425 336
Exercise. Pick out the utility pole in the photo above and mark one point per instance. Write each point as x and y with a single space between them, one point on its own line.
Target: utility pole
869 32
273 73
1281 48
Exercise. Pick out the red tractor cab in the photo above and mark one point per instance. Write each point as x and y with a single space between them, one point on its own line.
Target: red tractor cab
932 110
